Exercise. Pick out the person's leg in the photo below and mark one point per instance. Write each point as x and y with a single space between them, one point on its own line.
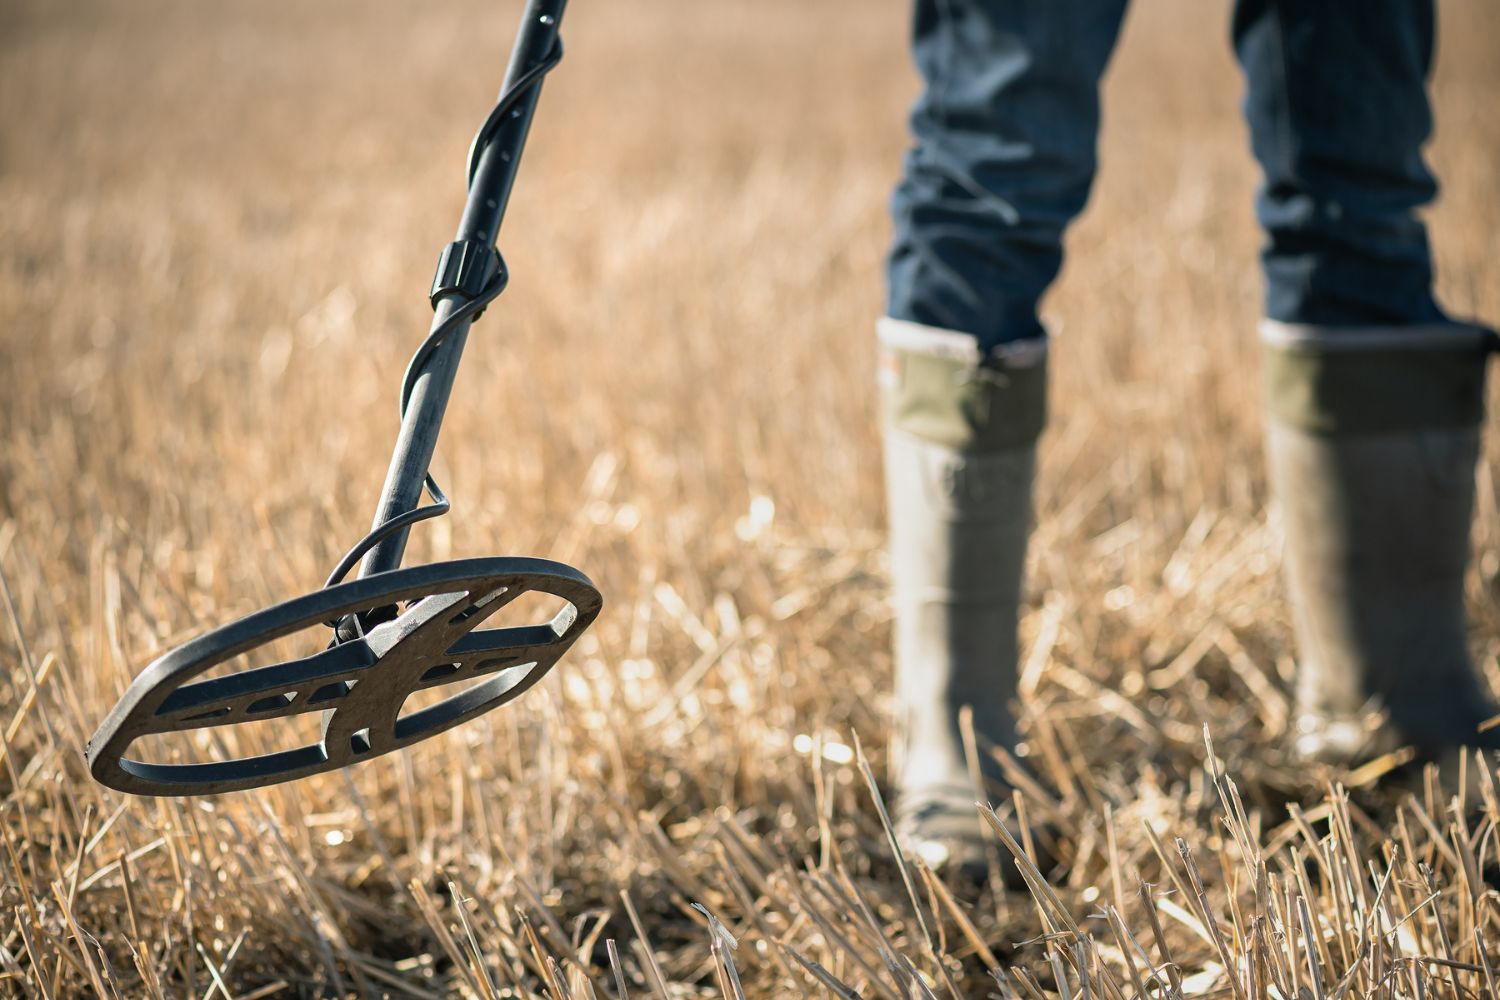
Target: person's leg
1003 160
1374 398
1336 100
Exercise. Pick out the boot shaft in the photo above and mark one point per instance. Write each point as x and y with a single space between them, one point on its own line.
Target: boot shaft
1372 440
960 445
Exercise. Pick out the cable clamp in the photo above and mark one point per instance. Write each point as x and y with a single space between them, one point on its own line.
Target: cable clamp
465 267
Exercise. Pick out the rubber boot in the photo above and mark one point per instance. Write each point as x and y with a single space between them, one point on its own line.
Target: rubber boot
1372 441
960 446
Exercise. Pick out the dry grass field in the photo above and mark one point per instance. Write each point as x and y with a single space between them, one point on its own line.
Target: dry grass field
217 225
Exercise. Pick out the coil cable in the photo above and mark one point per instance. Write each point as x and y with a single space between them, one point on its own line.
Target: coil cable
352 625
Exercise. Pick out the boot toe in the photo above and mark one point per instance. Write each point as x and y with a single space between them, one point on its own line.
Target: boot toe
1349 741
1338 741
948 835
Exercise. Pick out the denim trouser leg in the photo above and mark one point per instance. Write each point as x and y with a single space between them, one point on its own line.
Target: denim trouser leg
1003 160
1338 112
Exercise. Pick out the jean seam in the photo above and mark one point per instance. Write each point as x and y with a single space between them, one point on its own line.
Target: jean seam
1284 126
939 84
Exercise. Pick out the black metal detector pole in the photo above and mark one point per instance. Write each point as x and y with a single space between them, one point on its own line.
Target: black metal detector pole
489 191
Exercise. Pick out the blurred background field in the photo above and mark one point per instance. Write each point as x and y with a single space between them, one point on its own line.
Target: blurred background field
217 227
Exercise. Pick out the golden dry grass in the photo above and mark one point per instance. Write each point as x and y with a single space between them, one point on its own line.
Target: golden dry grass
216 227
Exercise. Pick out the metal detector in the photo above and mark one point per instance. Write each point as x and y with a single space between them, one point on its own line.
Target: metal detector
395 631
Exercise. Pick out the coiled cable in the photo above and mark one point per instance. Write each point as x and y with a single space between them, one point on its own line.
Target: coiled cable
464 313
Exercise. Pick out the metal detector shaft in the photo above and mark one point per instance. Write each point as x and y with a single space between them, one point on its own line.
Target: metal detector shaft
489 191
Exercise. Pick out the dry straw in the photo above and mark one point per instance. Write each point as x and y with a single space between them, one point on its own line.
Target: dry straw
215 227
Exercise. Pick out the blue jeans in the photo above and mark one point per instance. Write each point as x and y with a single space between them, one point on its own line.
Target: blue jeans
1004 156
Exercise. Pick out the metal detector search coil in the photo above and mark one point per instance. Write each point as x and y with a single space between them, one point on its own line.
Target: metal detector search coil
360 685
396 631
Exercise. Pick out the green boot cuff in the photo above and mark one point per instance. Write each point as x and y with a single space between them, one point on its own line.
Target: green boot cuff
1374 380
935 386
